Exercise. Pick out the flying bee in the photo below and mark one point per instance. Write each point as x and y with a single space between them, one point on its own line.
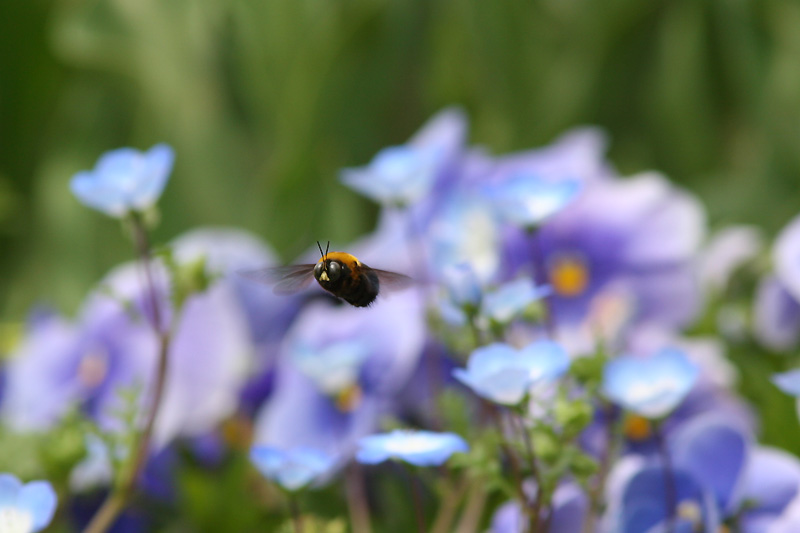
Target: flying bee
339 273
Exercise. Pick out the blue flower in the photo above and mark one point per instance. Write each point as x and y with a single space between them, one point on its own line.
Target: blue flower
292 469
504 375
401 175
511 299
420 448
125 180
397 175
462 285
527 201
25 508
650 386
788 382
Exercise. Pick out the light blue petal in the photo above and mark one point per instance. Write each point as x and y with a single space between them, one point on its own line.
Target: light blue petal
491 358
98 195
267 459
154 175
462 284
124 180
9 490
39 498
528 201
507 386
421 448
398 174
292 469
547 360
788 382
650 386
510 299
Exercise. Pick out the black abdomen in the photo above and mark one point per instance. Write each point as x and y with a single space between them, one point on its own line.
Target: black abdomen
364 292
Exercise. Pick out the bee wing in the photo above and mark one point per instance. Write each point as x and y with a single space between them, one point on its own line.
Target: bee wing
393 281
285 280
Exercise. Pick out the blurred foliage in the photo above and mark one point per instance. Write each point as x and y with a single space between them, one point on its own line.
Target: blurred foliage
265 101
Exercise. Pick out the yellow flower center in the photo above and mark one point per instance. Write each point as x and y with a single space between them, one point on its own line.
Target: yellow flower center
93 367
569 275
637 428
349 398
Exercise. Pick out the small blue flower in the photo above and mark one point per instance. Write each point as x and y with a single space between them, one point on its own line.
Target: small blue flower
788 382
527 201
291 469
397 175
125 180
504 375
25 508
420 448
509 300
462 285
333 367
650 386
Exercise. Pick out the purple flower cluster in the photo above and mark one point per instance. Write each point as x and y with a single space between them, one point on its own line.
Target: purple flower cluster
529 268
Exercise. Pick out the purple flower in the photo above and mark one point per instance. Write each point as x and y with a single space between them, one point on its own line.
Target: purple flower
729 249
111 348
333 383
420 448
125 180
25 508
718 475
628 242
776 317
777 304
568 511
578 155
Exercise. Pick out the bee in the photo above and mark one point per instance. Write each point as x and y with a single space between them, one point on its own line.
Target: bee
339 273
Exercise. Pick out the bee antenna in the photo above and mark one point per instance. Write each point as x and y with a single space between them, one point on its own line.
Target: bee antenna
324 254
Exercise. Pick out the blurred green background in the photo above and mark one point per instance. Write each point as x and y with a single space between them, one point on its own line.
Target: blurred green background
265 100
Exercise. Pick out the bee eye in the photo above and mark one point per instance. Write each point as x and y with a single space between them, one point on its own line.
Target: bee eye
334 270
318 268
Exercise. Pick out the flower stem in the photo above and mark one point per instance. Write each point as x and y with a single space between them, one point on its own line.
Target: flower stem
357 500
613 441
516 471
416 496
294 509
118 499
519 424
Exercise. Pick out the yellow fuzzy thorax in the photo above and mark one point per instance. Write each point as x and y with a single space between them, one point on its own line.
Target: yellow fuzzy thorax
342 257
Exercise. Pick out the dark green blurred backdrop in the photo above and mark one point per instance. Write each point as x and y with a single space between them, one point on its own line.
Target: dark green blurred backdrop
264 101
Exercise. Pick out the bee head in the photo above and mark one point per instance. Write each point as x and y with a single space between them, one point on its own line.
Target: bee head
327 271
